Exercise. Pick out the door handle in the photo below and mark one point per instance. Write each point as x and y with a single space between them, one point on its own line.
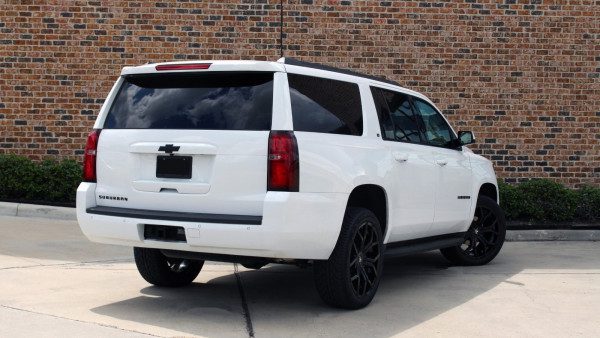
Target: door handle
401 157
441 163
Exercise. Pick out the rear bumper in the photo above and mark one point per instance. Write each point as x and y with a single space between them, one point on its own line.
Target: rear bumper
176 216
294 226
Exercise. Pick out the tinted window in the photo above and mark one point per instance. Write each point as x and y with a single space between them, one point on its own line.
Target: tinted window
383 112
437 131
223 101
325 106
398 120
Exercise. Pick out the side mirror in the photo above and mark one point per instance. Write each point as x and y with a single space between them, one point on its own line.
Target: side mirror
466 137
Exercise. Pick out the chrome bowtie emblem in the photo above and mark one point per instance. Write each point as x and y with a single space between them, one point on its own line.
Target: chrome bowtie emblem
168 148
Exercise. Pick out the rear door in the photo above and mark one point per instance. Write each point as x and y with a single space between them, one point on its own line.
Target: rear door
411 180
191 142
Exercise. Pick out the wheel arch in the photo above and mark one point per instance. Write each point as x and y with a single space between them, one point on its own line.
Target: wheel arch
490 190
484 188
374 198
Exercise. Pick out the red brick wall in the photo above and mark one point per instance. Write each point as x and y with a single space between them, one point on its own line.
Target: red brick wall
524 75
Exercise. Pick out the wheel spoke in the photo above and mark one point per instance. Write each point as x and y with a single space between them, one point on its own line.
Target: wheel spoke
491 228
371 245
369 282
361 239
356 252
489 231
372 267
488 213
364 274
487 246
372 259
479 217
363 236
361 283
482 240
368 233
481 247
365 281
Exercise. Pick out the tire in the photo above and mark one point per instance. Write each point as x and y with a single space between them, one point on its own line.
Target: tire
357 258
485 237
161 270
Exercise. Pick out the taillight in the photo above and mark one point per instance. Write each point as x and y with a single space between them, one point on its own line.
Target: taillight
89 156
183 66
283 162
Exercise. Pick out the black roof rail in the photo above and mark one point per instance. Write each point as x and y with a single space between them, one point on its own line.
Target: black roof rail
295 62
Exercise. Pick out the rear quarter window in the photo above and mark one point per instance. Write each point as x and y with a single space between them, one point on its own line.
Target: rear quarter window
325 106
218 101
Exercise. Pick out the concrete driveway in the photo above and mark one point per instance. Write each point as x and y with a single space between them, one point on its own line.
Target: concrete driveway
53 282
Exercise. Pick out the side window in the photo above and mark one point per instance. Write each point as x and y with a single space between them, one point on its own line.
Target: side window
325 106
397 118
437 131
383 113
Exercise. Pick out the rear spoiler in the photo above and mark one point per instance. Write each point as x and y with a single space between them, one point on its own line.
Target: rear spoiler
200 66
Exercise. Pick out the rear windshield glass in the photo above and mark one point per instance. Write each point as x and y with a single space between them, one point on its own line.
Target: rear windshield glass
218 101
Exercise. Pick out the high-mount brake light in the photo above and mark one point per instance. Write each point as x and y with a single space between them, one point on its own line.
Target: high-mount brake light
89 156
183 66
283 162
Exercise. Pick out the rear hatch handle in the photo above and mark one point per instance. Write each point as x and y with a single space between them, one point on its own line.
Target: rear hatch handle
171 187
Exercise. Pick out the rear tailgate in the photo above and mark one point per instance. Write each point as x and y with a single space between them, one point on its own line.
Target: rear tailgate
188 142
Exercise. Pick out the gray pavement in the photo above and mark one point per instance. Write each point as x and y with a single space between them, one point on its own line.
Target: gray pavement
53 282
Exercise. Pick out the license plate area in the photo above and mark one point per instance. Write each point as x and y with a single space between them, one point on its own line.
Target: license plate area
174 167
164 233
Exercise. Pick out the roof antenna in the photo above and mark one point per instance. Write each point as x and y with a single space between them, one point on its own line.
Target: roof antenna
281 28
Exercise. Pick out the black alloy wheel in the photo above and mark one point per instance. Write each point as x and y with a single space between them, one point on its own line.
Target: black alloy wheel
364 257
482 236
160 270
350 277
485 236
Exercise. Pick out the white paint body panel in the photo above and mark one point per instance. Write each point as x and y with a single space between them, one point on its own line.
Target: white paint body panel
230 177
228 174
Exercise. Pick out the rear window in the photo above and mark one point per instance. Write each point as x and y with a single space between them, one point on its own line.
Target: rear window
218 101
325 106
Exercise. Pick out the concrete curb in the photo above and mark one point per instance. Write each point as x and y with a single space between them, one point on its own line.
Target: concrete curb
552 235
34 210
8 209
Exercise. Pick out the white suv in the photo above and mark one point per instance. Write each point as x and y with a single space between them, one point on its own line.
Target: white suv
282 162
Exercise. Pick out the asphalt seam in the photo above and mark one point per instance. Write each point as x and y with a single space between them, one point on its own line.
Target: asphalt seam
77 320
67 264
245 309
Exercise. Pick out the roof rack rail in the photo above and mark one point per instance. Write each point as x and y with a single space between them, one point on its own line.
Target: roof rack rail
295 62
